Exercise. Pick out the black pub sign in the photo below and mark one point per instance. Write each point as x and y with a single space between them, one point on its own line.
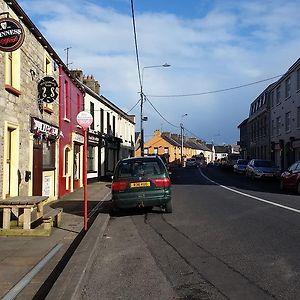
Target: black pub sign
47 89
11 35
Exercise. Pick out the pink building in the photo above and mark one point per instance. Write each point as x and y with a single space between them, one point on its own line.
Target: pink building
72 137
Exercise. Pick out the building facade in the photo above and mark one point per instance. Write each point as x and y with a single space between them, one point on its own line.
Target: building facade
110 136
285 117
29 117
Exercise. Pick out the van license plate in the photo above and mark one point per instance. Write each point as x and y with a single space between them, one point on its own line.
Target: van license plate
139 184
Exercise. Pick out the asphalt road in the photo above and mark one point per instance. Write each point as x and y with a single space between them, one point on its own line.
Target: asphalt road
228 238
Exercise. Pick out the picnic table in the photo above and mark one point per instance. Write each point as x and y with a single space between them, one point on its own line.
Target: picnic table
27 203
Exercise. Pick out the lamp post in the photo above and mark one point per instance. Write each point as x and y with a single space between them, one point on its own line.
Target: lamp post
142 102
181 134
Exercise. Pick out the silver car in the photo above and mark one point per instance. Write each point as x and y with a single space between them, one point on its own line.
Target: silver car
261 168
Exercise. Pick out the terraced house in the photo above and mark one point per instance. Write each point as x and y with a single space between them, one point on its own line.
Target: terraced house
29 107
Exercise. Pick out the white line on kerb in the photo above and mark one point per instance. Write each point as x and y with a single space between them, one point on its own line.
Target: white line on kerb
250 196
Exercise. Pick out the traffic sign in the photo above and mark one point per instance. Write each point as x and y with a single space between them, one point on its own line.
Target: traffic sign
84 119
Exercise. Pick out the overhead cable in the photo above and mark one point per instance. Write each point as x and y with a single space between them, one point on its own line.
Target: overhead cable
216 91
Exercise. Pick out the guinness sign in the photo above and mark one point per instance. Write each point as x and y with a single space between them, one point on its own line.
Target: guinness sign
11 35
47 89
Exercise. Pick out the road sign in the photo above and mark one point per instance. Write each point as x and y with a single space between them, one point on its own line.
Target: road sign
84 119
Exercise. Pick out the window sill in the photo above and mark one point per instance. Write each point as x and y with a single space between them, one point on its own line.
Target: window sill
67 120
12 90
48 110
288 97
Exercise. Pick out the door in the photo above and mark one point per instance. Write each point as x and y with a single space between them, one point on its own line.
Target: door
37 170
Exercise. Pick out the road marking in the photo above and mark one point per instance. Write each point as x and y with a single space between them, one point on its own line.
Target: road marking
13 292
250 196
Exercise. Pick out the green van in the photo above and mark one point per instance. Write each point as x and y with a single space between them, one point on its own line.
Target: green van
141 182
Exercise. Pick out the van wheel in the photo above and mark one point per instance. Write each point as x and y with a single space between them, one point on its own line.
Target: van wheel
168 207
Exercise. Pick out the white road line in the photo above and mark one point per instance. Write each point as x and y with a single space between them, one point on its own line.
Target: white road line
250 196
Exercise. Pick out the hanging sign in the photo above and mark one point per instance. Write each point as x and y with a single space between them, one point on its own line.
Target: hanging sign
11 35
47 89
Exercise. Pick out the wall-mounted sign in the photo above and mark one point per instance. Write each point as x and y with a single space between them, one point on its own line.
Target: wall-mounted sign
47 89
11 35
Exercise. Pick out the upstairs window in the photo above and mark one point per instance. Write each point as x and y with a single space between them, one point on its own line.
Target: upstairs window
66 100
288 88
278 125
298 117
298 79
278 95
288 121
92 112
12 71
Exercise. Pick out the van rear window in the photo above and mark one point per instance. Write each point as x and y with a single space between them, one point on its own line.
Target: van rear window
139 168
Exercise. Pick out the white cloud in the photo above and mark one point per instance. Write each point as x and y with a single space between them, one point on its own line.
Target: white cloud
234 43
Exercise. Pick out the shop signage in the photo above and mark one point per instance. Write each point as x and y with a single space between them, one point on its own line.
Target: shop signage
47 88
11 35
44 131
93 138
78 138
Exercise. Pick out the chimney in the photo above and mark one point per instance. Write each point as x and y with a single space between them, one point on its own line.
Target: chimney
92 83
157 132
77 74
166 133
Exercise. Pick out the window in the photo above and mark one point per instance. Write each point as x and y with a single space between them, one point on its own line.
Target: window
298 79
273 128
67 154
66 100
278 95
48 155
92 111
272 99
108 129
265 126
166 150
101 120
12 72
146 151
48 66
91 158
298 117
155 150
288 88
78 103
288 121
278 125
114 126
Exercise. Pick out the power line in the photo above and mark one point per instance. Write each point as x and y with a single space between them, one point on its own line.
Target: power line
134 106
136 45
216 91
160 113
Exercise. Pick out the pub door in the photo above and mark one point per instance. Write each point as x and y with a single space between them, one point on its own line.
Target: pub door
37 170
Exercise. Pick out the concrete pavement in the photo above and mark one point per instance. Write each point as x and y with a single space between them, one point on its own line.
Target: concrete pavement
29 266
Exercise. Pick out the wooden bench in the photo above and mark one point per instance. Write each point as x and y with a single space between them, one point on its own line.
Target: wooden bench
52 217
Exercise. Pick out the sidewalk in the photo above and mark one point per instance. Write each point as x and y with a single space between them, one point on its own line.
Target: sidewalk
20 255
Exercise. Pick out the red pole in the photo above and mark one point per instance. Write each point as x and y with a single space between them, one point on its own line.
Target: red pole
85 180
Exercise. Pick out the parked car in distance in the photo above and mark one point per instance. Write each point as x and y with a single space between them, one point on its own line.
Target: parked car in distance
240 166
141 182
191 163
290 179
261 168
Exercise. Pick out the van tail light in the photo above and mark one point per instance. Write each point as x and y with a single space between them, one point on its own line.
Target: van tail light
118 186
162 182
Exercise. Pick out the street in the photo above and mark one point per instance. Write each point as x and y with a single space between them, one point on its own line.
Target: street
227 238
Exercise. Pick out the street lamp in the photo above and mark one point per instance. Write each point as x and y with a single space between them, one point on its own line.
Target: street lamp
142 102
181 133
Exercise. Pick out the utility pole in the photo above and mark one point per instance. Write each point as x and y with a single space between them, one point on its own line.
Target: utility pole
67 51
181 150
142 129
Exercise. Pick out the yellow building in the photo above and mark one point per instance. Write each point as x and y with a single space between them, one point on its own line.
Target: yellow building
169 145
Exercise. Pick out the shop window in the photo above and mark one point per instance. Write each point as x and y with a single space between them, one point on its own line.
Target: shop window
48 155
76 163
12 72
91 158
66 161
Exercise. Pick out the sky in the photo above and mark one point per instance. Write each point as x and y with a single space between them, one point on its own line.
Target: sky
210 45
